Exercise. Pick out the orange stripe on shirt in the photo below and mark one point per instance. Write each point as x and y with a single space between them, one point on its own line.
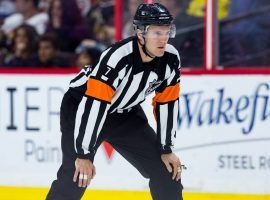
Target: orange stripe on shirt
99 90
170 93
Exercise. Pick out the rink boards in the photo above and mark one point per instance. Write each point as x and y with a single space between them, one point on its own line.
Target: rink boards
223 138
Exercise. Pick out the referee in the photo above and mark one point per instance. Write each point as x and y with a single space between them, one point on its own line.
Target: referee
103 104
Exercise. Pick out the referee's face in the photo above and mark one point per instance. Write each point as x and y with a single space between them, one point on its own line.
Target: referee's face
156 39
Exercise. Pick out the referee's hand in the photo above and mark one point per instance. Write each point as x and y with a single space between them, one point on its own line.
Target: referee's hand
173 165
84 171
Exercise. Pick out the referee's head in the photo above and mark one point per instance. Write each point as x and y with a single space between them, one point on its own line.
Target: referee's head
154 26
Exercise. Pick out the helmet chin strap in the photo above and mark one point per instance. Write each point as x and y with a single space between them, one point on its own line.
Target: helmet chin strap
145 51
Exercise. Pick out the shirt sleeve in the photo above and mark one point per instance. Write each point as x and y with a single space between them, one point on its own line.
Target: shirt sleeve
166 108
93 109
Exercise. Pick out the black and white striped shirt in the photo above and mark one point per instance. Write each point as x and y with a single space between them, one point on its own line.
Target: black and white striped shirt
121 81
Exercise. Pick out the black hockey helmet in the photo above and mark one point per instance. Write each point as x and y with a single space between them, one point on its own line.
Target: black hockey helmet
152 14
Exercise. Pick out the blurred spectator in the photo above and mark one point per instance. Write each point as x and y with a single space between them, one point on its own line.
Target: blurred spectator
44 5
6 8
107 11
67 24
84 6
48 55
88 53
246 38
188 42
94 19
101 20
23 53
3 48
26 12
130 9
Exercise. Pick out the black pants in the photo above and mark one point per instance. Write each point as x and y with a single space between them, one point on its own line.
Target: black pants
130 135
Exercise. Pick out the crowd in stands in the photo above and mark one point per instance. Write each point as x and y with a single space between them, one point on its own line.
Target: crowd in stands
54 33
245 34
73 33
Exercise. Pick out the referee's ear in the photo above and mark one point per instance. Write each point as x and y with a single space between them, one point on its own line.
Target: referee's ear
139 35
